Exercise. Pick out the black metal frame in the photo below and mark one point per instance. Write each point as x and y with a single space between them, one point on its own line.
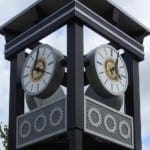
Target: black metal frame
61 17
75 15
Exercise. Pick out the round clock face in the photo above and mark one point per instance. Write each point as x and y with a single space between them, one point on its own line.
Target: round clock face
42 72
108 71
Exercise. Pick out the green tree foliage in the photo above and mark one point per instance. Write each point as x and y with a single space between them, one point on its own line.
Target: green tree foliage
4 135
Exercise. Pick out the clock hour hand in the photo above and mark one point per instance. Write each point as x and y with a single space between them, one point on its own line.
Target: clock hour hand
42 71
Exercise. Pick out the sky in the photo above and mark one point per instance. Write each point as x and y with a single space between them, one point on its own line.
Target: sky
137 8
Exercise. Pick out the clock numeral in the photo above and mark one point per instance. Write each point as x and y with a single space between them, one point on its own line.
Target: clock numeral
48 72
27 83
25 76
50 63
49 54
37 86
100 72
32 58
99 63
105 81
44 82
121 83
123 76
117 87
111 53
121 67
32 87
100 55
111 87
44 51
28 66
105 51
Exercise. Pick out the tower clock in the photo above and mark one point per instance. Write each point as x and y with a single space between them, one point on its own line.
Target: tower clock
42 71
107 71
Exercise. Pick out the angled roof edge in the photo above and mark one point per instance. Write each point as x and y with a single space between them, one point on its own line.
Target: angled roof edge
23 23
19 15
129 16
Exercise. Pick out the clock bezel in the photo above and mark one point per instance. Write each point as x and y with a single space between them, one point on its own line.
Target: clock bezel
56 77
93 77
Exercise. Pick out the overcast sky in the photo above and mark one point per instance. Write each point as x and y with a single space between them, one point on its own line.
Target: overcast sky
137 8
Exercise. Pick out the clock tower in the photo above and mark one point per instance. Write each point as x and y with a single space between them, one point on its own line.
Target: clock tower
86 115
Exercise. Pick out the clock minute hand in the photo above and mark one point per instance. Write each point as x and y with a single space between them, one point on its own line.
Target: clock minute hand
116 65
35 62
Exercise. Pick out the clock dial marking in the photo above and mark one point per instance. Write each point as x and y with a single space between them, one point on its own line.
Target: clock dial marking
111 53
49 55
111 87
121 83
100 55
123 76
44 51
51 63
105 81
117 87
32 58
25 76
101 72
105 51
27 83
121 67
48 72
37 86
44 81
32 87
98 62
28 66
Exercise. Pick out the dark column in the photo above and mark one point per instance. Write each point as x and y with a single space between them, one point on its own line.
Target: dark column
75 139
132 100
16 104
75 82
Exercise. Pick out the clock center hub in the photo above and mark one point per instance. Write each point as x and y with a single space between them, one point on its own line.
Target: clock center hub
37 73
110 70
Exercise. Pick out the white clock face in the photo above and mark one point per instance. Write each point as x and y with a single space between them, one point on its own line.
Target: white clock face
38 70
111 70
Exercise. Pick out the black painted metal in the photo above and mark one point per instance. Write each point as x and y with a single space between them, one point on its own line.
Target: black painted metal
75 140
16 103
35 33
132 97
103 27
75 81
59 18
41 9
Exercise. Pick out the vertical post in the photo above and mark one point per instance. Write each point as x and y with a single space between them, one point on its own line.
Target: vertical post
16 104
132 99
75 82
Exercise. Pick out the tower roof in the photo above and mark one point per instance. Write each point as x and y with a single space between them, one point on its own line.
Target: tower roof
43 8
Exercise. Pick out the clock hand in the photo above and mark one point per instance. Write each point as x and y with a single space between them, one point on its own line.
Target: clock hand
41 70
116 66
35 62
